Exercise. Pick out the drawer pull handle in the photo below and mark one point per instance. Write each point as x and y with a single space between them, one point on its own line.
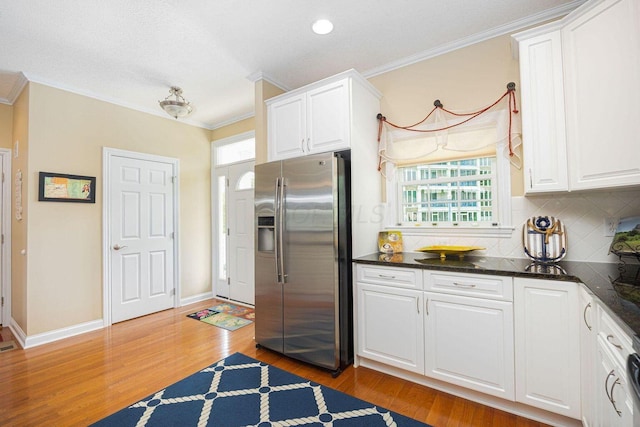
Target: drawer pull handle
606 384
584 315
613 402
382 276
618 346
464 285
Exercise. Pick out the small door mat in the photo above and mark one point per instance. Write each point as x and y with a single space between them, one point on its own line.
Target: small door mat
227 316
7 346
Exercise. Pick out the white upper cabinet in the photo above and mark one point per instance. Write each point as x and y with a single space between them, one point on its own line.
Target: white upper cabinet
317 118
328 118
601 45
288 126
543 120
580 77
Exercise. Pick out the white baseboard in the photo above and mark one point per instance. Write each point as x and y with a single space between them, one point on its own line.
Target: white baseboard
17 332
28 341
196 298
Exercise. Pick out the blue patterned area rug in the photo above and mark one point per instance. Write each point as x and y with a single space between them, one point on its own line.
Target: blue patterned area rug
241 391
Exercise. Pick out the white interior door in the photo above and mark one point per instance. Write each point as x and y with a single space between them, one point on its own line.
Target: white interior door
141 210
241 242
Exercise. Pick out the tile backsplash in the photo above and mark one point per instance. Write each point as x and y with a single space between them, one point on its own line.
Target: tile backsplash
583 216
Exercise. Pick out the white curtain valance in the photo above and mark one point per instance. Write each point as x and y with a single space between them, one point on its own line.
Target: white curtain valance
445 136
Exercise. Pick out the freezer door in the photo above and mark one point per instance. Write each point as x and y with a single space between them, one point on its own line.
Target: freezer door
310 260
268 292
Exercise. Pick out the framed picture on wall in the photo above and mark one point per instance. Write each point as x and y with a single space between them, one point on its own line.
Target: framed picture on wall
59 187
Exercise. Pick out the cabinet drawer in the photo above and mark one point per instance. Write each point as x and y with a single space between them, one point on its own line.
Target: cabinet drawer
614 338
474 285
390 276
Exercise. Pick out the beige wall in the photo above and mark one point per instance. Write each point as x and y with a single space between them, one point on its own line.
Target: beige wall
236 128
6 125
464 79
66 134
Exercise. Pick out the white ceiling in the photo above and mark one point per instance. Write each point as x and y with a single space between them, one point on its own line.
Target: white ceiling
130 52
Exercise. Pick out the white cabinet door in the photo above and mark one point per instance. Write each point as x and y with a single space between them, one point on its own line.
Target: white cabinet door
587 356
601 46
547 345
469 342
390 326
287 127
614 405
543 121
315 121
328 118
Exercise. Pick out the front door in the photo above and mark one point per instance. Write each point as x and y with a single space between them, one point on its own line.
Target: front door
241 242
141 249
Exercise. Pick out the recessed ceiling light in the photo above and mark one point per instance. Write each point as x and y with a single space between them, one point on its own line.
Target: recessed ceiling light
322 26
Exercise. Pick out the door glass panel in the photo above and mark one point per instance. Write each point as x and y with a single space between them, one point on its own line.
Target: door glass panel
222 228
246 181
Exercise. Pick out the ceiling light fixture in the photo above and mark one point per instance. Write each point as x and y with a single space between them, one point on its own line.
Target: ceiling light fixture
322 26
178 107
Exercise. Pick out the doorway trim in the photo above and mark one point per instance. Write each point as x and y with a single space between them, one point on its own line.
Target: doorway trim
107 155
214 198
5 256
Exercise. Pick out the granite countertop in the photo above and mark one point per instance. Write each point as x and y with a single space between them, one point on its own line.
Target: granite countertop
616 285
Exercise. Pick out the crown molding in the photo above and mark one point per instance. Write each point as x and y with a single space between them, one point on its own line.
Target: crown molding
520 24
19 84
232 120
260 75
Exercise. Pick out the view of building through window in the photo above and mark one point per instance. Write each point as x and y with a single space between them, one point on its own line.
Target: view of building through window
448 193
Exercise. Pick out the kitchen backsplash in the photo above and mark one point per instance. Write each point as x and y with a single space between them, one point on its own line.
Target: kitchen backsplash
583 216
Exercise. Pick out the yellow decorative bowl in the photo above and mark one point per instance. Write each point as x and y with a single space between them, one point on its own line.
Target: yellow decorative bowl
445 250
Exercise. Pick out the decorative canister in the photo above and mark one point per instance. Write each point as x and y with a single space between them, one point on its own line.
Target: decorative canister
544 239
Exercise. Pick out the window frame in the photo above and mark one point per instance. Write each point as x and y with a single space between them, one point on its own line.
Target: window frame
502 198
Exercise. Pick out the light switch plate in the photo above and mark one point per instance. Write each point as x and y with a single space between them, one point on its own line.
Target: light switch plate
610 226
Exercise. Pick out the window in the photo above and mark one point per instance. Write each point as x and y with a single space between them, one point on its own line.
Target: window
237 150
461 193
449 193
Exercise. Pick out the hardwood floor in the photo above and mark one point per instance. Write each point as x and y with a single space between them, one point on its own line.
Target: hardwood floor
79 380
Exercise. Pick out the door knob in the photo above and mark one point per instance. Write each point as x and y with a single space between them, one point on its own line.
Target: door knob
117 247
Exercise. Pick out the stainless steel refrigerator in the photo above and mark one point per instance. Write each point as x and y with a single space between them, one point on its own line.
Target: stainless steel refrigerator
303 301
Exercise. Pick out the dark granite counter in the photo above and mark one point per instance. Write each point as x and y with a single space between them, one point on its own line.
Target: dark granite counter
616 285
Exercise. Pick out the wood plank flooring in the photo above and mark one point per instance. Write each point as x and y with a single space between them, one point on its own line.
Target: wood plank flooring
79 380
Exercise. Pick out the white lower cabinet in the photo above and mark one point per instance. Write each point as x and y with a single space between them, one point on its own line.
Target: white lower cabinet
390 326
547 345
469 342
587 357
517 339
613 401
614 405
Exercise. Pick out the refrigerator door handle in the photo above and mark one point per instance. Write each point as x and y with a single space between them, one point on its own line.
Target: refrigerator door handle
277 231
281 218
